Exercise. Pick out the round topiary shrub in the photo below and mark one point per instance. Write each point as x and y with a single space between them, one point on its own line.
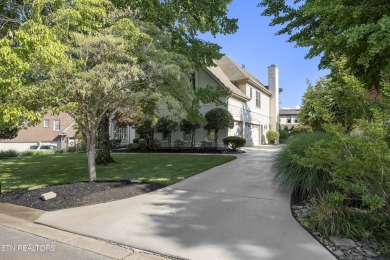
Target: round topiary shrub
234 142
272 136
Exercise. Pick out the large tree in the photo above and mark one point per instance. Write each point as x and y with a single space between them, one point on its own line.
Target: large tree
340 99
26 57
183 20
358 30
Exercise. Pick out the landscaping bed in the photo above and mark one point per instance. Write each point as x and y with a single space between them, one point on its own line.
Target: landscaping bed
341 248
78 194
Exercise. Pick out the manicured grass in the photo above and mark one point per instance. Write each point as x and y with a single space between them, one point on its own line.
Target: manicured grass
50 169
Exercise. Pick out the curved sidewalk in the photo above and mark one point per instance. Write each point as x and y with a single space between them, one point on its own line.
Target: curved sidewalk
229 212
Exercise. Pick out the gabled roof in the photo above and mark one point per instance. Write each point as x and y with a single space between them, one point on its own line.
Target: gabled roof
235 72
221 76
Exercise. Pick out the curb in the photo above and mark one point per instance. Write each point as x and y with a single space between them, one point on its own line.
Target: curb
22 219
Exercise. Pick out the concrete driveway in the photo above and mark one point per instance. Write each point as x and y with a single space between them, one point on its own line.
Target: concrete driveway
229 212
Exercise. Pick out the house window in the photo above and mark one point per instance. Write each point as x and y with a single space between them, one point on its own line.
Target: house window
289 119
258 103
57 125
120 133
192 79
46 123
296 120
250 92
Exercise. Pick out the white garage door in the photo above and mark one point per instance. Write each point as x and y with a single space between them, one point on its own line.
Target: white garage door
252 134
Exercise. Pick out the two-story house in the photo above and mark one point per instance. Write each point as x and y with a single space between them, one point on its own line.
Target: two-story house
289 118
54 129
254 106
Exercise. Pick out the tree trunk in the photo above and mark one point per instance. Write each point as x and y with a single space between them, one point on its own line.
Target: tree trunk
90 142
192 139
103 153
216 139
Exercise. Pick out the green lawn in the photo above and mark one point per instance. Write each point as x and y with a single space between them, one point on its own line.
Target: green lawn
50 169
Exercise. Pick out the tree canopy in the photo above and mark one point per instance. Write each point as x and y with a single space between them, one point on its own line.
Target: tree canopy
358 30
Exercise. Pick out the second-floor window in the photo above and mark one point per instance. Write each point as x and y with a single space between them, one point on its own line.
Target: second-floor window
46 122
258 99
250 92
289 119
57 125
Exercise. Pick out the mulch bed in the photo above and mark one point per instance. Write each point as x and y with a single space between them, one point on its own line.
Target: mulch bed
78 194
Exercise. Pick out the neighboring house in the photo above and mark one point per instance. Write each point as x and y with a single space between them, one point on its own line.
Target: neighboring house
289 118
52 130
254 106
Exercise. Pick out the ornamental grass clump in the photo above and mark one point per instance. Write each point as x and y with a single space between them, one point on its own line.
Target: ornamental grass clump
289 173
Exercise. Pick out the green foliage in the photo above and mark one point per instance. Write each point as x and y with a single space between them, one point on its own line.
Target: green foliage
302 129
338 98
359 164
154 144
217 119
290 173
283 135
8 154
205 144
272 136
27 55
331 218
145 128
335 28
189 127
130 147
166 126
234 142
183 20
72 149
179 143
202 96
142 144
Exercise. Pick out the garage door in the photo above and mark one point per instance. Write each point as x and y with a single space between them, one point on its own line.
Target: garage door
252 134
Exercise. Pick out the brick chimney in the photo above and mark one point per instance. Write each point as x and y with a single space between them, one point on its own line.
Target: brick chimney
273 86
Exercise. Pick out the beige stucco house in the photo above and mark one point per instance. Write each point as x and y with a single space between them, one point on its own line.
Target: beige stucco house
254 105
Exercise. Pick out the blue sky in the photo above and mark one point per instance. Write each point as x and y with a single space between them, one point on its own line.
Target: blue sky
256 46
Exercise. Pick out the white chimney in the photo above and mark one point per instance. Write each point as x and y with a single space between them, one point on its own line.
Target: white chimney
273 86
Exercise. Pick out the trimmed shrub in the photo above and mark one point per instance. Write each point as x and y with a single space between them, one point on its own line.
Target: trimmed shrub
8 153
142 144
155 144
178 143
205 144
234 142
289 173
130 147
272 136
283 136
